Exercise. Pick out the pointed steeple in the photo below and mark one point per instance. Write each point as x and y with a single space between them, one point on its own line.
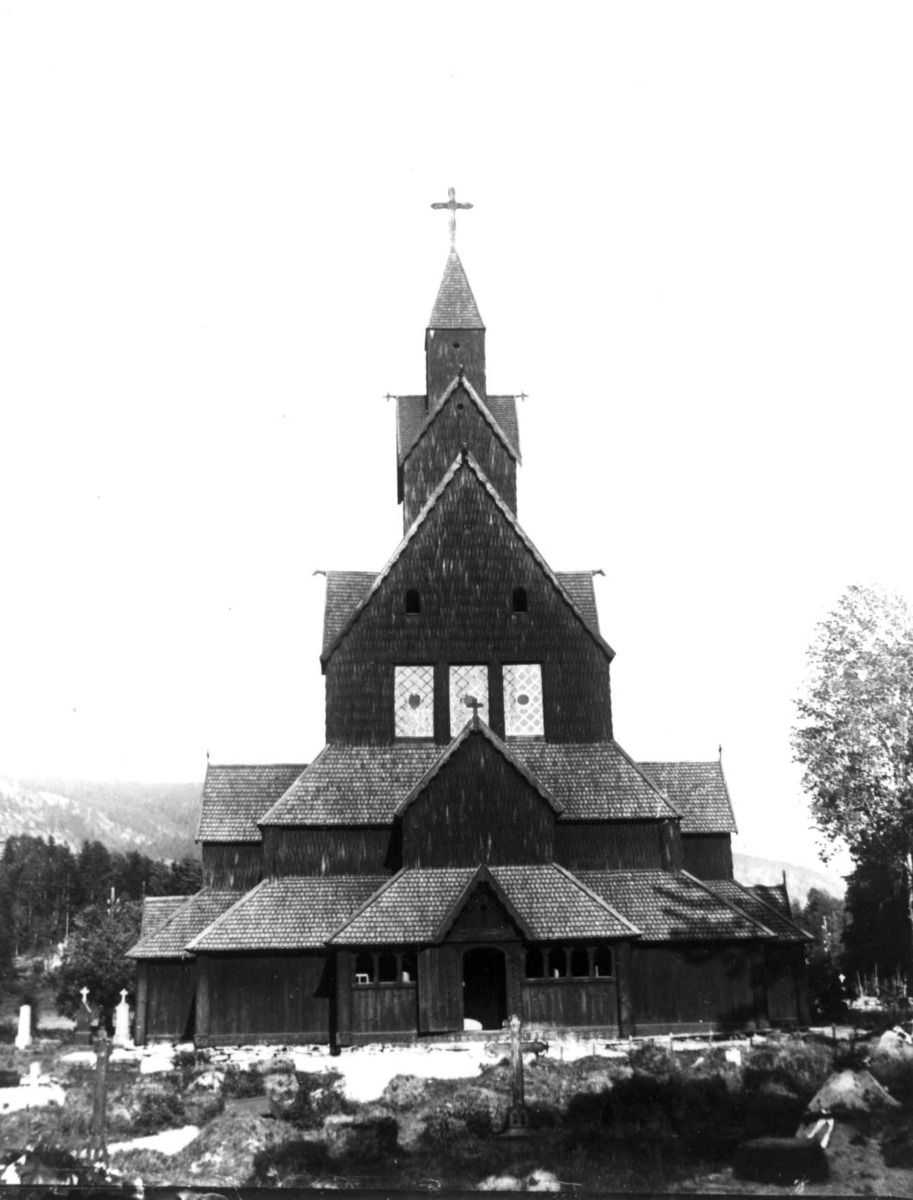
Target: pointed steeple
455 307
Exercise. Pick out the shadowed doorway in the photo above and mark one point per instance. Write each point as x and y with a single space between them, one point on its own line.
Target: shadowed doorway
485 987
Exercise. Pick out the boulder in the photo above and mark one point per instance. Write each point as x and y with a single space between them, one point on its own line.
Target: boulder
784 1161
281 1092
360 1140
209 1081
892 1059
851 1093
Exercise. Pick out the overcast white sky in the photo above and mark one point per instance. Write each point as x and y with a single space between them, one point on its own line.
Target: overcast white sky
692 247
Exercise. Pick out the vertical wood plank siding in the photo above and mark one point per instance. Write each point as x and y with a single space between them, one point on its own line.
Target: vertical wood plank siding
584 845
458 424
708 855
232 865
478 808
170 988
568 1002
465 562
360 850
784 971
443 360
702 986
440 990
389 1008
262 995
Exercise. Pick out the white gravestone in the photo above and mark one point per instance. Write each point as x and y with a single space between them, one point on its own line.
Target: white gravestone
122 1022
24 1035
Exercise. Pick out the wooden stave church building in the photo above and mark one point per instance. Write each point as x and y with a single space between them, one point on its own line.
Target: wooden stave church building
440 866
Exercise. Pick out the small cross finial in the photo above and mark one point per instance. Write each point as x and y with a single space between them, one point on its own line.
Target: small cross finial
471 702
522 396
453 204
389 396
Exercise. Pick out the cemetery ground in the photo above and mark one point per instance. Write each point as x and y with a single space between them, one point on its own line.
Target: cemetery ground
631 1117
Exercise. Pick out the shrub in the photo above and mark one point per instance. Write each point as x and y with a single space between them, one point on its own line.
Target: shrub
159 1110
320 1095
240 1085
652 1058
799 1068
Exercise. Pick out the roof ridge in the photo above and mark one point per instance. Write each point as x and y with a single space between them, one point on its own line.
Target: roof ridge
486 412
231 908
307 766
375 895
595 896
646 778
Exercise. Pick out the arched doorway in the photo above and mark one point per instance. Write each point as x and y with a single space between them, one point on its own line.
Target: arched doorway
485 986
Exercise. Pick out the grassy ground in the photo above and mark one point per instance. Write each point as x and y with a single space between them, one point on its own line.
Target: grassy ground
655 1121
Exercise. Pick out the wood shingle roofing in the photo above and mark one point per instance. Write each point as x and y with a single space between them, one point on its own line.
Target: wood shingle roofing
668 906
157 910
698 790
417 905
235 797
412 413
466 462
455 306
757 907
193 915
292 913
461 383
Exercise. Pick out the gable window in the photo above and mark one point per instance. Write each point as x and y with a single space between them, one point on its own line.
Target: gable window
523 712
520 601
413 601
467 683
413 701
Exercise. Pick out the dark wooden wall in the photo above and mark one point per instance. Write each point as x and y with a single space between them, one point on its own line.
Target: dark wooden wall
692 988
248 997
465 561
596 846
570 1002
708 855
478 808
458 424
785 972
232 865
443 360
386 1008
337 850
169 993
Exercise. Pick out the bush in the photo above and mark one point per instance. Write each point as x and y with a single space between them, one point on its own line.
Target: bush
241 1085
798 1068
159 1110
320 1095
652 1058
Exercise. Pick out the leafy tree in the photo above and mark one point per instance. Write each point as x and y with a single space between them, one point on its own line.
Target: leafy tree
824 916
94 958
855 737
186 877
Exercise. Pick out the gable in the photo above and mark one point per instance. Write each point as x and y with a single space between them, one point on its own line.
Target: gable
483 916
344 592
477 805
699 791
235 797
412 413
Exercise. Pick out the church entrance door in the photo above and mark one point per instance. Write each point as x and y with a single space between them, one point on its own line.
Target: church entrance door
485 986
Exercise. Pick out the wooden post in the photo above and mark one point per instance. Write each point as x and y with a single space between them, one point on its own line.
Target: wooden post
344 997
98 1147
623 985
142 987
203 1018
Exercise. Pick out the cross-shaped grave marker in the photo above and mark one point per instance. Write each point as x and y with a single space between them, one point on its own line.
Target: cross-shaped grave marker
518 1114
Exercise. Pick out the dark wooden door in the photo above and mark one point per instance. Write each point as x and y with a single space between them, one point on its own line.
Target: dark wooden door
440 1000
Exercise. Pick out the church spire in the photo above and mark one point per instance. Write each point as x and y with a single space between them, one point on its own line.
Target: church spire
455 306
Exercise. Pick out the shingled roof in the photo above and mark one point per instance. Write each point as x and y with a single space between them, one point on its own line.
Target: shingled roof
455 306
668 906
774 894
756 906
460 382
345 591
293 913
194 914
412 413
236 797
698 790
465 461
157 910
417 905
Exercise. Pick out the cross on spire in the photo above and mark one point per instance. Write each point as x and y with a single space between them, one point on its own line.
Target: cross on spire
453 204
471 702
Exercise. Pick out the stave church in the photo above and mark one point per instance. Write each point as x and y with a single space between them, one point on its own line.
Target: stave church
471 842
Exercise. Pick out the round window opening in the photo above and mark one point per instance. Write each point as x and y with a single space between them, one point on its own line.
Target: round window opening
523 698
414 700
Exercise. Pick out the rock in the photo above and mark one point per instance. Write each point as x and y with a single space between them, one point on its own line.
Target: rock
282 1093
209 1081
785 1161
404 1091
849 1093
351 1138
892 1059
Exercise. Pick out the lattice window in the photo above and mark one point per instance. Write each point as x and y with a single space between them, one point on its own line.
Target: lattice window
523 714
467 682
413 702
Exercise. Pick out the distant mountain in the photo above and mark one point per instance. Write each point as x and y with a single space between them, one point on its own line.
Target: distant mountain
799 880
158 819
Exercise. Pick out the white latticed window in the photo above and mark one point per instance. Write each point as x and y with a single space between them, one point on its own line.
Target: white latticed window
523 700
413 702
467 682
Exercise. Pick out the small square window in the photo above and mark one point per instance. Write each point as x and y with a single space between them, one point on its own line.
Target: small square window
523 712
465 683
413 702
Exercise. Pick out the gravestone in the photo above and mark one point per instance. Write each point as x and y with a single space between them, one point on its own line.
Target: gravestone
83 1034
122 1021
24 1034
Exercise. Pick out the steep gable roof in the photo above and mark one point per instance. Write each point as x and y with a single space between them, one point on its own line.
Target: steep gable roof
461 382
455 306
235 797
194 915
466 462
292 913
477 728
774 894
157 911
699 790
420 904
757 907
669 906
412 413
345 591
